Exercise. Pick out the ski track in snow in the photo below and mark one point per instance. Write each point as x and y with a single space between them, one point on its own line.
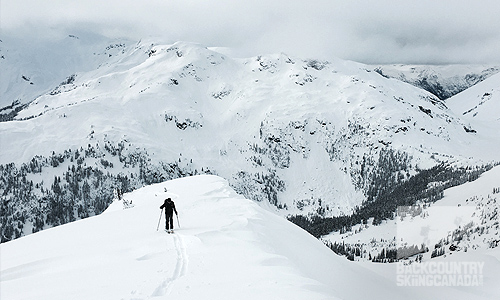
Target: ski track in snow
180 268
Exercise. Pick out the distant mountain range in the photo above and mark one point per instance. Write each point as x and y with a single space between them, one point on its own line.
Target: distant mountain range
444 81
83 116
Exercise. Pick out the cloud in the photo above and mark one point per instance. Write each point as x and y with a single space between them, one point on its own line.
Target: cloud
382 31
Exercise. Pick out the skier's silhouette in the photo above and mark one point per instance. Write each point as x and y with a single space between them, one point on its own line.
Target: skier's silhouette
169 207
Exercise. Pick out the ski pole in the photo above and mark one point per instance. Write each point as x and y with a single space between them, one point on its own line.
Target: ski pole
161 212
178 221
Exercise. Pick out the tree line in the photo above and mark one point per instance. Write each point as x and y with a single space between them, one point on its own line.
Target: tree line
83 186
387 191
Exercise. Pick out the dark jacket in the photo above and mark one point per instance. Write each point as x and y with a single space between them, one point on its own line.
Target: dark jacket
169 207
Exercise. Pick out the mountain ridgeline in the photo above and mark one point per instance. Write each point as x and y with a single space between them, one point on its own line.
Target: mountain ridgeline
443 81
328 143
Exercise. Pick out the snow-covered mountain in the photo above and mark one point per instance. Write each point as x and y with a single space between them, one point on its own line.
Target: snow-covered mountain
226 248
465 218
33 68
308 137
444 81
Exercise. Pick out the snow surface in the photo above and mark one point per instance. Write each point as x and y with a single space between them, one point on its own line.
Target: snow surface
227 247
479 103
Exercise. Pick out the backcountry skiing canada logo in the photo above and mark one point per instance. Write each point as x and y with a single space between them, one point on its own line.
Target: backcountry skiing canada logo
437 227
442 273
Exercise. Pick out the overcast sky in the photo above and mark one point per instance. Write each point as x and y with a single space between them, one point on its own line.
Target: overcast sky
369 31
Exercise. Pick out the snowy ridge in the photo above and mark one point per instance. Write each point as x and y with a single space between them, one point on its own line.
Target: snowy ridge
227 248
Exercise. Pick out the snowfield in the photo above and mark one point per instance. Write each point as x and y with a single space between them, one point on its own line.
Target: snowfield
227 247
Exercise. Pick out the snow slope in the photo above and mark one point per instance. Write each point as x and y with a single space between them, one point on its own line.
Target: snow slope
464 224
479 103
227 248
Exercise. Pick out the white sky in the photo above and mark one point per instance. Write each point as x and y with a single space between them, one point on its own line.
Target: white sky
370 31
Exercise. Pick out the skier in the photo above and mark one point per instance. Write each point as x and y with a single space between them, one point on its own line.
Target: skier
169 213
